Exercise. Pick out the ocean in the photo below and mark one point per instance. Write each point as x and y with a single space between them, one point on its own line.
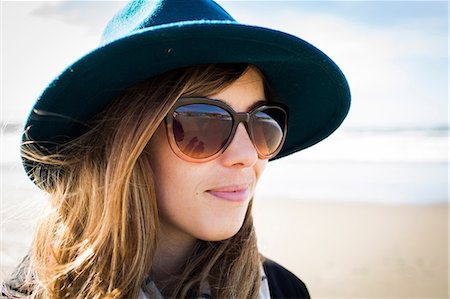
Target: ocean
388 166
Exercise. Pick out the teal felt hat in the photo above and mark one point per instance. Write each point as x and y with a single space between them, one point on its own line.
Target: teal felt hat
147 38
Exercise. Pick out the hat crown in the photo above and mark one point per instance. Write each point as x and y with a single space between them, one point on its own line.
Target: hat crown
142 14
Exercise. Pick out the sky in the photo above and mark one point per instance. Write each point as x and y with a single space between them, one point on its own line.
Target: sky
394 54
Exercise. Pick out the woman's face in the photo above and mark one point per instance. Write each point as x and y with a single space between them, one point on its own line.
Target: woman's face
208 201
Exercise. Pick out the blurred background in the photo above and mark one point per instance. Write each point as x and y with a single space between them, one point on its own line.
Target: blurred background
363 213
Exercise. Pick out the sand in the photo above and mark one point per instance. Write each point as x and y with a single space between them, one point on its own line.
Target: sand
340 250
358 250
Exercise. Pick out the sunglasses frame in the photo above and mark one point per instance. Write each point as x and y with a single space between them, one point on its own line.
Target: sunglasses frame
237 118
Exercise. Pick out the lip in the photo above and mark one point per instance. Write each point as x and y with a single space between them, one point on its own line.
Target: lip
231 193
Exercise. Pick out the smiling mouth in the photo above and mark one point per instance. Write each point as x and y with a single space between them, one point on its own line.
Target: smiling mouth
235 194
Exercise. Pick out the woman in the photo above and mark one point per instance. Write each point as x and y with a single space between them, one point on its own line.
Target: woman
151 146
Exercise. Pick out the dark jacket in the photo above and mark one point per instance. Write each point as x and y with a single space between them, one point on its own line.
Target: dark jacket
282 283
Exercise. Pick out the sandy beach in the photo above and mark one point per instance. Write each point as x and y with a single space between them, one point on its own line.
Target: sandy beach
340 250
358 250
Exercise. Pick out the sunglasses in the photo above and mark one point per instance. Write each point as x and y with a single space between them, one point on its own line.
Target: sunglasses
200 129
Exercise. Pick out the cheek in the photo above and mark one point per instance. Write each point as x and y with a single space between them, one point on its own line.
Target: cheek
174 188
174 185
172 192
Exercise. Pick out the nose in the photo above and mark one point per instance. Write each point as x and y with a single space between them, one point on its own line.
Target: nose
240 152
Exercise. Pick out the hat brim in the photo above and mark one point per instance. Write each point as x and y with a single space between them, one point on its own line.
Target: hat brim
303 78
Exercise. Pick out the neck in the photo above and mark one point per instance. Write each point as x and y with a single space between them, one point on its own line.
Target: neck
174 248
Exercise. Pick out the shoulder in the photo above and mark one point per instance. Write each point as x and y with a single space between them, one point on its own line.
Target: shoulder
282 283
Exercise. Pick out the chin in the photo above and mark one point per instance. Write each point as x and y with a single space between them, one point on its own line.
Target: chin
220 234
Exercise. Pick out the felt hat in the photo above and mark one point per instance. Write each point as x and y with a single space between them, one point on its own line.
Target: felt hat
147 38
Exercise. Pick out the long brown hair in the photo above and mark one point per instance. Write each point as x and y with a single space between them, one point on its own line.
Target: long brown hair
101 236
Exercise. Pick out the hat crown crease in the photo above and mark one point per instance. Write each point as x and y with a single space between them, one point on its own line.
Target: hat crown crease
143 14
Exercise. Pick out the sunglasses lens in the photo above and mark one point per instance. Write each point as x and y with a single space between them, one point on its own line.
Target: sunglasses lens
201 130
268 130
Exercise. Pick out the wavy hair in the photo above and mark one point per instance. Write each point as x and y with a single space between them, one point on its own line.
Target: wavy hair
100 238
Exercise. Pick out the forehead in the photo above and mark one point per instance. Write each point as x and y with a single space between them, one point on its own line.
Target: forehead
243 93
